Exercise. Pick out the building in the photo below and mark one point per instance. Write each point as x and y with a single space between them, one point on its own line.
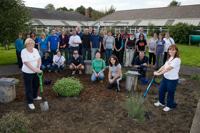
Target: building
46 19
159 17
120 20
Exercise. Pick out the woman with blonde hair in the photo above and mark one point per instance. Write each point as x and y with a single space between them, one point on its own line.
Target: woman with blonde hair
31 66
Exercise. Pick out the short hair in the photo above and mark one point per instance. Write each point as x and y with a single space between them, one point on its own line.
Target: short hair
29 40
115 58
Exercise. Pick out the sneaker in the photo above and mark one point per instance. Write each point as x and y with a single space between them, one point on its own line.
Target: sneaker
38 98
31 106
166 109
73 73
157 104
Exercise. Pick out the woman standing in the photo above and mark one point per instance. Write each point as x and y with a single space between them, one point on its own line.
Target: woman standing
170 70
109 43
31 66
152 48
129 50
119 52
160 44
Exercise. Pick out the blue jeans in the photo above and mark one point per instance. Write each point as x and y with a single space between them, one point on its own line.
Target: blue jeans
93 51
168 86
108 54
46 67
94 78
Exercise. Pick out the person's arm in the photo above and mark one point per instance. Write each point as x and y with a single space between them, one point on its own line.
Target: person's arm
39 62
99 45
113 47
125 43
49 46
109 75
163 70
28 64
58 46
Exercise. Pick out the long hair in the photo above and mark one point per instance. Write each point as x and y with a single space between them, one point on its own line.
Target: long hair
116 60
175 48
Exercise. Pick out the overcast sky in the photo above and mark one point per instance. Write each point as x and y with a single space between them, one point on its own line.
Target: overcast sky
105 4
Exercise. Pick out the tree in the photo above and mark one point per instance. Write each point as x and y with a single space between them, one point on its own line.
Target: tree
174 3
14 18
50 7
62 9
81 10
110 10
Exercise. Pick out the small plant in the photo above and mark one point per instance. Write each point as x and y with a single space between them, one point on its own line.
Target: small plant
195 77
14 122
68 87
135 107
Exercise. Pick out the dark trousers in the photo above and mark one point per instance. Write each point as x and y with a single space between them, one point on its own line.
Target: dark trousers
52 53
19 59
31 82
152 56
165 57
119 55
86 52
168 86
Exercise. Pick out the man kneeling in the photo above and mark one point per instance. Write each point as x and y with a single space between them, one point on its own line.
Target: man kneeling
140 64
76 63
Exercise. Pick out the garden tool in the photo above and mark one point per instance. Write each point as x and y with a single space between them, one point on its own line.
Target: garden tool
44 105
149 86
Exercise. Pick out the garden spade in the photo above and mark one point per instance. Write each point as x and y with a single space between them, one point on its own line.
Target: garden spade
149 86
44 105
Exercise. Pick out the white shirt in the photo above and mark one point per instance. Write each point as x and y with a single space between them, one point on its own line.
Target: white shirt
58 60
74 39
173 74
32 58
113 69
152 45
168 42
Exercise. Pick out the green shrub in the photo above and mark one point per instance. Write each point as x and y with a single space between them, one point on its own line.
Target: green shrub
181 31
68 87
135 107
195 77
14 122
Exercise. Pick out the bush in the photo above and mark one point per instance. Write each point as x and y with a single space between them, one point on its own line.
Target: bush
14 122
181 31
135 108
195 77
68 87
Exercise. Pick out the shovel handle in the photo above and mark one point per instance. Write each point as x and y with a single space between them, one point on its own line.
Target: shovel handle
40 76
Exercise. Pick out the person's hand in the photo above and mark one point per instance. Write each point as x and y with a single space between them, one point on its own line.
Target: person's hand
96 75
110 81
37 70
156 73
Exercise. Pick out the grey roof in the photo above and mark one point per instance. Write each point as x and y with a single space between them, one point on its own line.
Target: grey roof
39 13
190 11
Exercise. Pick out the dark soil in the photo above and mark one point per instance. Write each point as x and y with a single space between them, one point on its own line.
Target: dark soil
98 110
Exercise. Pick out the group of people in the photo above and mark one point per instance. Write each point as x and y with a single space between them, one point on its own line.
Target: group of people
55 51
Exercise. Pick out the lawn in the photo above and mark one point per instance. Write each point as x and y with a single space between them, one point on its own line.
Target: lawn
189 55
7 56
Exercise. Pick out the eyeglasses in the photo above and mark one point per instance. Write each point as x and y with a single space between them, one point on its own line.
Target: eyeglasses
75 53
